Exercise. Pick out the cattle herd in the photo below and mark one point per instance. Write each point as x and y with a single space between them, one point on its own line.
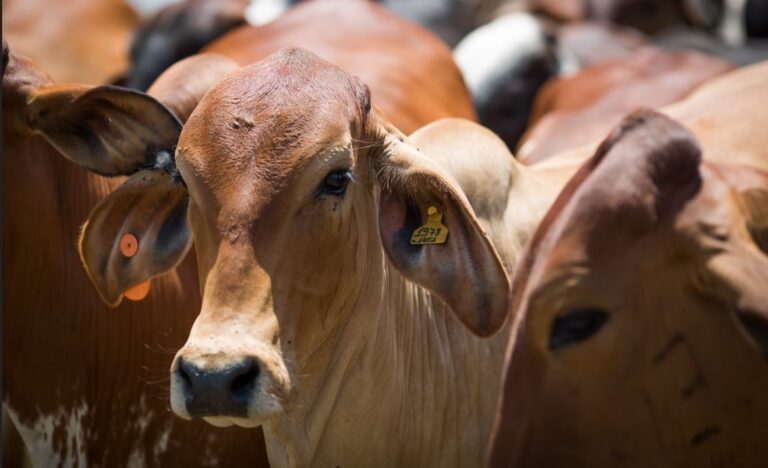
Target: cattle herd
404 233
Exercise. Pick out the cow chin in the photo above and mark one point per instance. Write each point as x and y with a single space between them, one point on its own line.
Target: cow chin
225 389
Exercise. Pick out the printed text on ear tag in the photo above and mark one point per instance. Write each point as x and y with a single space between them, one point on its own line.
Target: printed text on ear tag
433 231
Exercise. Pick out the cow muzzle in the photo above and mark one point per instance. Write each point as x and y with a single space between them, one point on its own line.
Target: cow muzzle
223 390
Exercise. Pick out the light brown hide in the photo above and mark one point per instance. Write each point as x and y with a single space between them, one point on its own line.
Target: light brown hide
663 244
409 71
83 41
576 110
732 101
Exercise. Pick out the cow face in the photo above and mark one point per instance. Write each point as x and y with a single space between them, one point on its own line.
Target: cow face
633 306
302 203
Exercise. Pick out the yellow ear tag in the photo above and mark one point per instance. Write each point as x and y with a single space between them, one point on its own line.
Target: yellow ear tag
433 231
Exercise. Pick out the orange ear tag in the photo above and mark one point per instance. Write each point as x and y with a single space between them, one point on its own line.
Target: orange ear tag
433 231
129 246
137 292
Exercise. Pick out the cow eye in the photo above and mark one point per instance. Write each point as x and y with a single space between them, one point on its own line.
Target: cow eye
335 183
577 325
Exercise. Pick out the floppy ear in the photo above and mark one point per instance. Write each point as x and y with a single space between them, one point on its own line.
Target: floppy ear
140 230
137 232
465 270
109 130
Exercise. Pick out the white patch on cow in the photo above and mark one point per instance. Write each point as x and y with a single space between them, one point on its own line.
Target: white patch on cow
143 418
162 444
263 11
487 54
39 436
731 28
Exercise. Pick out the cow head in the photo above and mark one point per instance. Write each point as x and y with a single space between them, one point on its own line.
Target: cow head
302 203
630 306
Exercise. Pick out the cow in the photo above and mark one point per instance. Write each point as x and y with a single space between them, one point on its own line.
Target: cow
705 115
82 383
575 110
77 41
392 56
649 16
331 294
640 310
505 63
177 31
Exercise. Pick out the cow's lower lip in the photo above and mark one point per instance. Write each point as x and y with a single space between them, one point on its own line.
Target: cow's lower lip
218 421
226 421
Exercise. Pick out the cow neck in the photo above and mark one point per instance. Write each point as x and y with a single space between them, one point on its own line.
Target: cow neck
401 381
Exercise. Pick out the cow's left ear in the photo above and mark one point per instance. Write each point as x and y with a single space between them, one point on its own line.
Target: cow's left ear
137 232
464 268
107 129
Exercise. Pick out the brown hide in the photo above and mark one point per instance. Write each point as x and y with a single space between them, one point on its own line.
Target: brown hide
410 72
82 41
573 111
89 381
640 313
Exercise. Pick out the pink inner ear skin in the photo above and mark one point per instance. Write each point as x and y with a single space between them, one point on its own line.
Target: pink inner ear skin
138 292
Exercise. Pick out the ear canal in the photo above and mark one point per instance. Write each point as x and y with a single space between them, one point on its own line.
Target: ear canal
461 267
137 232
109 130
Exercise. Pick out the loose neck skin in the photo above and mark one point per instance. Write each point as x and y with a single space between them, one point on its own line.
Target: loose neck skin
402 374
399 381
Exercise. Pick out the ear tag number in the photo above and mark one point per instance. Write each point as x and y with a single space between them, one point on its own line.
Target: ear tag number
433 231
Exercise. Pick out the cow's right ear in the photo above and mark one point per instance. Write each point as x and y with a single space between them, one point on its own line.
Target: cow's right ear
107 129
137 232
433 237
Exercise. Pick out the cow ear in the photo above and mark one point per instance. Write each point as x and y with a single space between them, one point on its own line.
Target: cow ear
464 270
109 130
137 232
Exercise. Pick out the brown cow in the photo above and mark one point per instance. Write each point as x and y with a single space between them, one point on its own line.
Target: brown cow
82 383
392 56
319 314
576 110
75 40
734 100
632 307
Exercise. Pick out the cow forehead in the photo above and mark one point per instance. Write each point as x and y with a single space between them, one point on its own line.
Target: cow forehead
262 121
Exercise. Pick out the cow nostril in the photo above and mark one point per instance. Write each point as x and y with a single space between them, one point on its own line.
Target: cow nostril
243 385
183 373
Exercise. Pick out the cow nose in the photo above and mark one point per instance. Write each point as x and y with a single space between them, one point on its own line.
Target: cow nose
220 392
